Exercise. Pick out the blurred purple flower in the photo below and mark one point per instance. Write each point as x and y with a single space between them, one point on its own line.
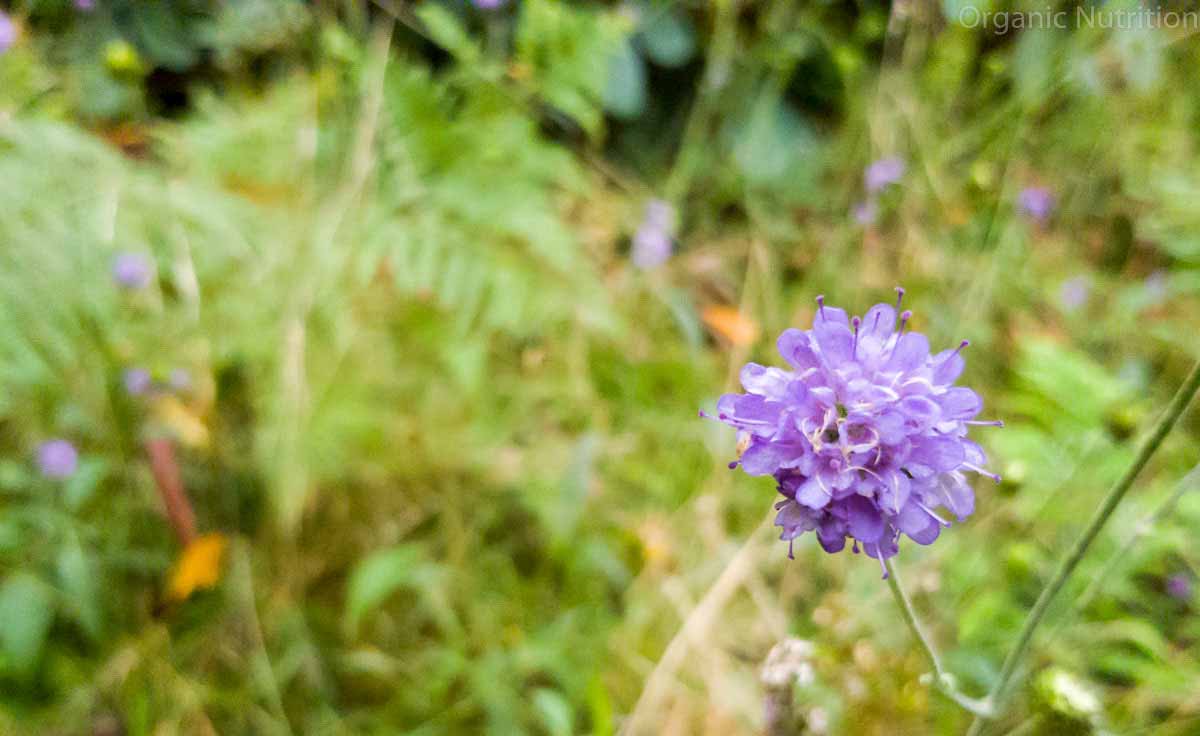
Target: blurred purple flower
865 436
132 270
883 172
488 4
1179 586
865 213
8 32
1074 292
57 459
1036 202
1156 286
137 381
180 379
654 240
85 4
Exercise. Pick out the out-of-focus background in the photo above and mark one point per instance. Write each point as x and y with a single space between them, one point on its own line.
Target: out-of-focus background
351 356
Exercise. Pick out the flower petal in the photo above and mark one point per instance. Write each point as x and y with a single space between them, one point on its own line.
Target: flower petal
863 520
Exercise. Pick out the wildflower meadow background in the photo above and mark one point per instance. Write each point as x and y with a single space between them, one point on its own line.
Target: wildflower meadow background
352 358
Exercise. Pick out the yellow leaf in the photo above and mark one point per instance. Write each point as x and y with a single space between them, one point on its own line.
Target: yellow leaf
182 422
730 324
198 567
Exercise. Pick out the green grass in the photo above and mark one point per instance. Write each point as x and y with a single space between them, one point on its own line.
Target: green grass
452 434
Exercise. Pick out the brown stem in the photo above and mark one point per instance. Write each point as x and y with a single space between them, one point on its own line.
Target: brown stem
170 487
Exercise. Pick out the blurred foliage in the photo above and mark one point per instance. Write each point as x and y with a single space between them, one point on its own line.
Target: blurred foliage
450 432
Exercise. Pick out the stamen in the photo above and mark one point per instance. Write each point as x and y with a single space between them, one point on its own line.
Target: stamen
905 316
958 350
899 296
855 546
733 465
936 518
982 472
821 305
856 323
993 423
882 566
791 552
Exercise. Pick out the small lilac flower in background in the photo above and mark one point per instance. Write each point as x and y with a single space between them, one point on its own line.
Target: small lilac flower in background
883 172
1156 286
57 459
132 270
1179 586
1036 202
865 213
488 4
8 32
865 436
137 381
180 379
653 242
85 4
1074 292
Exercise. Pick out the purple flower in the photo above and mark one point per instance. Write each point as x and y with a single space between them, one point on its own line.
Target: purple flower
865 435
1036 202
137 381
57 459
85 4
1179 586
653 242
8 32
865 213
180 379
1074 293
883 172
488 4
132 270
1156 286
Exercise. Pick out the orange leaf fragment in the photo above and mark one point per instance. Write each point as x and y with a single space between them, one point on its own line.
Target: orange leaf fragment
198 567
730 324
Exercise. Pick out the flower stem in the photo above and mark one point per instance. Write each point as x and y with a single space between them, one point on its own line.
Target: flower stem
1182 397
942 682
910 618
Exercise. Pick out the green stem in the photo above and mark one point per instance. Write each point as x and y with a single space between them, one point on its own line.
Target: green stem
942 681
910 618
1071 561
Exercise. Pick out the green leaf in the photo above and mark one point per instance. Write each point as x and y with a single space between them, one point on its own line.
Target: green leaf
668 38
80 581
83 483
26 610
447 31
378 576
625 93
573 492
773 141
555 711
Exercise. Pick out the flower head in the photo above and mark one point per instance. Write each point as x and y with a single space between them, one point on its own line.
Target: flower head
1074 292
865 435
85 5
1179 586
132 270
883 172
57 459
137 381
652 244
180 379
488 4
8 32
1036 202
866 212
